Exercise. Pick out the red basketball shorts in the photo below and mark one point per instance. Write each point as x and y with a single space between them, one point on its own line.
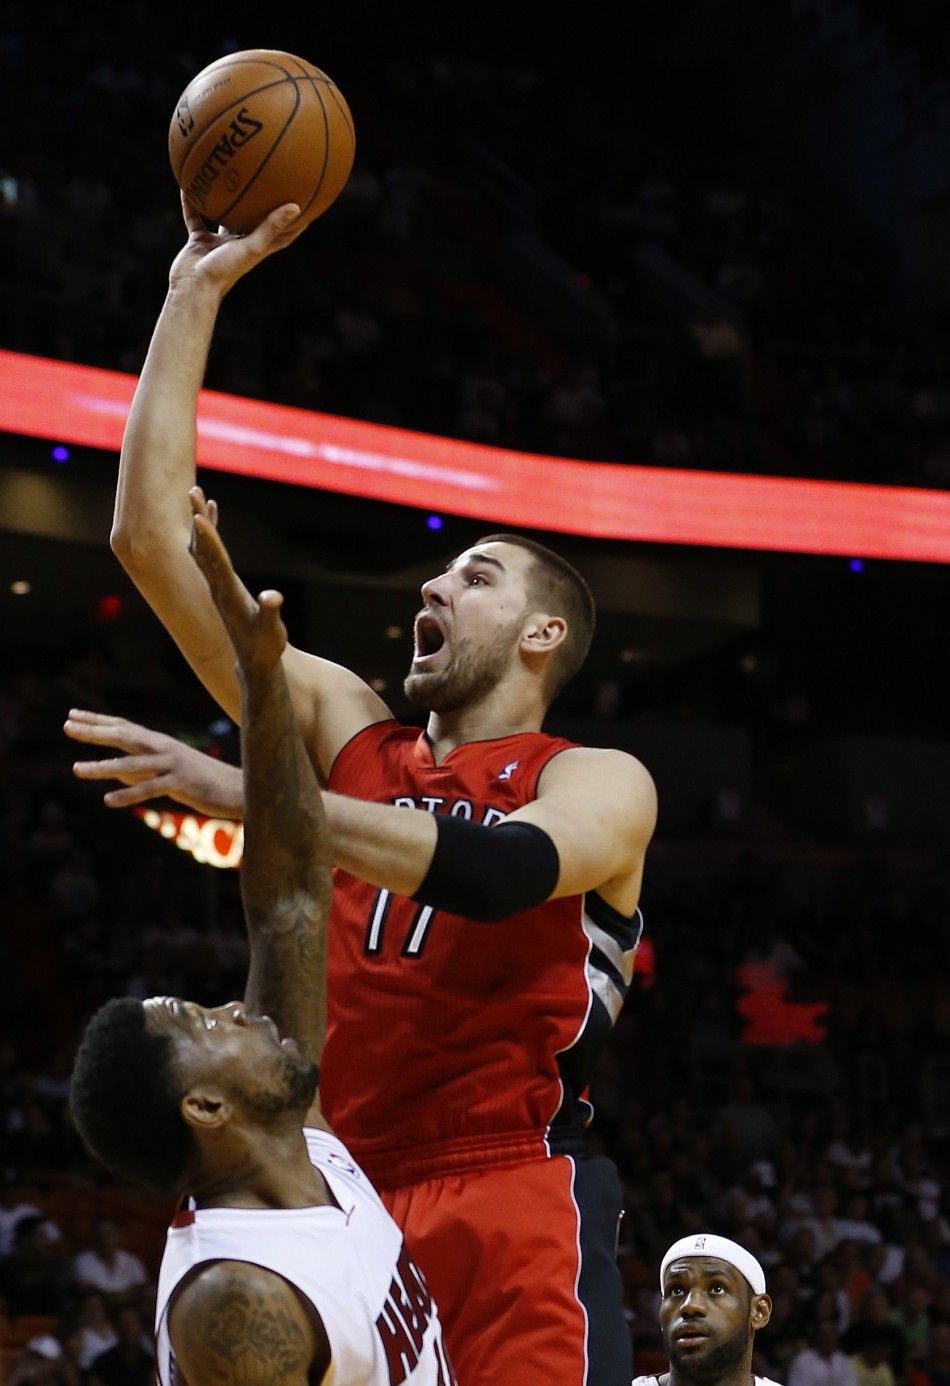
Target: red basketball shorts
522 1264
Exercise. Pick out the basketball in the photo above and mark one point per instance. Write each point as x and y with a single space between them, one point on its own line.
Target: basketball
256 129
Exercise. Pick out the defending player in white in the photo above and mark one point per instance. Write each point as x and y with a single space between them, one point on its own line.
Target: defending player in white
281 1265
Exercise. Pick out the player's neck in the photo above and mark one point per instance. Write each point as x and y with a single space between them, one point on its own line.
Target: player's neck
272 1171
485 721
741 1376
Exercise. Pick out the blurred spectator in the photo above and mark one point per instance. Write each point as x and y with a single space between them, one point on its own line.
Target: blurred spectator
822 1363
933 1367
782 1339
51 838
872 1360
918 1182
744 1127
96 1329
74 892
43 1363
130 1362
32 1143
832 1299
801 1254
71 1369
846 1151
885 1262
854 1224
33 1278
118 1275
15 1205
853 1275
821 1221
936 1238
644 1322
873 1321
912 1318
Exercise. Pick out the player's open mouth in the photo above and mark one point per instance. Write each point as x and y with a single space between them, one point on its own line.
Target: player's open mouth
429 639
690 1338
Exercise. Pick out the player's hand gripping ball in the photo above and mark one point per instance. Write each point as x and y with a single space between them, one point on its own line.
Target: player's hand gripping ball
255 130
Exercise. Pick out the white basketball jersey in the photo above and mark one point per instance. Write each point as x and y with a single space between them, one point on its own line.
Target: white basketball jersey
655 1381
348 1261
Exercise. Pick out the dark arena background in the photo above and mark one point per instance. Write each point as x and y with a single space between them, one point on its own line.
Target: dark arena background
708 238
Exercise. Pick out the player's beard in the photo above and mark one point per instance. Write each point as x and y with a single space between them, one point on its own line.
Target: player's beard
466 679
290 1088
725 1357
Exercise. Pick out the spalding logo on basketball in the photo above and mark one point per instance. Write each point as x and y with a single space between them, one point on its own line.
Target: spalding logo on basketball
258 129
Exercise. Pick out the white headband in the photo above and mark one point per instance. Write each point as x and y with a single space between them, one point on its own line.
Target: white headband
708 1244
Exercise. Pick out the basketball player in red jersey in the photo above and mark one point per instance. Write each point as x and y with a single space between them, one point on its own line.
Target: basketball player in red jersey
485 902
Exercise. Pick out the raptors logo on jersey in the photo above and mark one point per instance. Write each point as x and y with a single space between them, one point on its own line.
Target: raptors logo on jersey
452 1042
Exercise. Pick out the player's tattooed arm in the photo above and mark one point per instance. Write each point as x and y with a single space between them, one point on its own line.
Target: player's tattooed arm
236 1324
286 880
286 873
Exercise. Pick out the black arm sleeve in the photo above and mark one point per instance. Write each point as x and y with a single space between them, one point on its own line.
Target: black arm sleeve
489 873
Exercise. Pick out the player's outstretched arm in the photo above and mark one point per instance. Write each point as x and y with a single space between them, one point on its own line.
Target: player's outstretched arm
152 521
588 829
154 765
596 810
286 872
236 1324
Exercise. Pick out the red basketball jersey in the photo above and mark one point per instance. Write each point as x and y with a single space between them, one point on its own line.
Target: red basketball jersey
454 1043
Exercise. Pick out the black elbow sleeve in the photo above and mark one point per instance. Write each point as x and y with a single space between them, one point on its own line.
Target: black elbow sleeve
489 873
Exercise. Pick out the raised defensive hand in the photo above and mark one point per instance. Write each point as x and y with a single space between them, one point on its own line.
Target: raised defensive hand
257 631
154 765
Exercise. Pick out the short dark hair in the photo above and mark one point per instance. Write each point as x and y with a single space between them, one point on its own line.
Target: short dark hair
124 1095
555 583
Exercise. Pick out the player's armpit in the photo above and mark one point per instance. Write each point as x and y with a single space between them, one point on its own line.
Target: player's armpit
236 1324
599 808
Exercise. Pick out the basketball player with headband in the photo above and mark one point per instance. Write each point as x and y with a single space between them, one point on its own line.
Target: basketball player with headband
714 1302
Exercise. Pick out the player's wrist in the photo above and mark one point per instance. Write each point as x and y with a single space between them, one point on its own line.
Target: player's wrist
217 791
196 295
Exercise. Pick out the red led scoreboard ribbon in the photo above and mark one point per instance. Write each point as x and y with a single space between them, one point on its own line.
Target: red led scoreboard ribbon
212 841
78 404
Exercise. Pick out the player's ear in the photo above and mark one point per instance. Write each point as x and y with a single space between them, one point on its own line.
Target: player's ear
205 1108
761 1311
543 633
